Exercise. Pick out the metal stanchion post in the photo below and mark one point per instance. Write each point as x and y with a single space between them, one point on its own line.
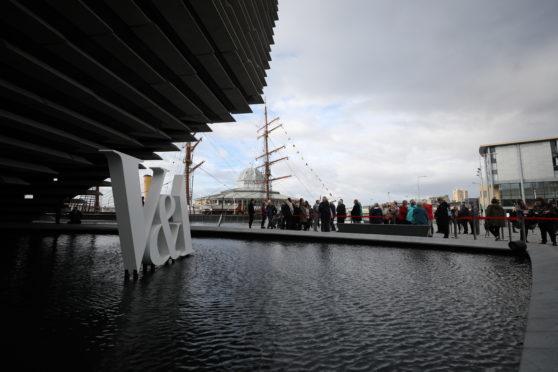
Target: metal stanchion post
509 230
474 227
455 228
523 230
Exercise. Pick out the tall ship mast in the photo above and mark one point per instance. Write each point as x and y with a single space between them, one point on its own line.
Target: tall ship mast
267 162
189 169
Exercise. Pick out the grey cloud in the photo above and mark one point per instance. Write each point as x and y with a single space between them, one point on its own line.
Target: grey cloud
415 86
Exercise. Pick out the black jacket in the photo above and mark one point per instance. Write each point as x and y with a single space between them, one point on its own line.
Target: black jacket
285 210
251 210
325 210
463 212
442 212
341 210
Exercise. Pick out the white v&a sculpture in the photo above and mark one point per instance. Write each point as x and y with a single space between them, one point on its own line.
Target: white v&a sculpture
153 233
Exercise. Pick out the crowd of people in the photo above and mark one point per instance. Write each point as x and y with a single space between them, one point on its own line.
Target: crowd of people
300 215
324 214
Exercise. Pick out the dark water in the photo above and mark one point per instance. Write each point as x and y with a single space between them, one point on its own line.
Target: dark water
260 305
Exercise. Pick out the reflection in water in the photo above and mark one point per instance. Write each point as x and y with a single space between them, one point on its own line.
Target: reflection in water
261 305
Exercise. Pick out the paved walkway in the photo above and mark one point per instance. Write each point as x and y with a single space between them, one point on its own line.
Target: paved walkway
540 349
533 235
242 232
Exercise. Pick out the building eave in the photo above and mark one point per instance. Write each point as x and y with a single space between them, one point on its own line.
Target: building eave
484 148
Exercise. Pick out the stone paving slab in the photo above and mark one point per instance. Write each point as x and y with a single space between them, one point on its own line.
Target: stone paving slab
539 360
540 349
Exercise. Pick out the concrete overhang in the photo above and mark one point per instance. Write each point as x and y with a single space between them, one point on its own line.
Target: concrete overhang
129 75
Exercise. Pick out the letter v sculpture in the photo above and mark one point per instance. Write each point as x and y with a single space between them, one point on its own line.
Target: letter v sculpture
153 233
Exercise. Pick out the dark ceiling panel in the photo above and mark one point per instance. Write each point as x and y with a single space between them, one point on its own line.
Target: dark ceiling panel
130 75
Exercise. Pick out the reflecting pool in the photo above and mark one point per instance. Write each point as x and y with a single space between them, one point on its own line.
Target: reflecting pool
261 305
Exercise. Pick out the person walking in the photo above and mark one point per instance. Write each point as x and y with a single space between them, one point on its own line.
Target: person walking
410 210
316 215
341 212
309 212
271 212
395 212
430 215
387 212
264 215
376 214
463 213
251 213
548 227
284 212
325 215
356 212
333 215
304 212
420 217
522 211
289 211
453 218
495 221
297 213
442 216
402 215
474 221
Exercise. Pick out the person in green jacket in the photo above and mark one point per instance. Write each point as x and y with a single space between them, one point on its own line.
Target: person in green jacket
494 225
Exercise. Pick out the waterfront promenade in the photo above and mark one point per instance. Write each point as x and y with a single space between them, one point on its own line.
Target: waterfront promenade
241 231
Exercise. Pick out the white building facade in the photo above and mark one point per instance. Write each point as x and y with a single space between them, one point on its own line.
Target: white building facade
460 195
249 185
521 170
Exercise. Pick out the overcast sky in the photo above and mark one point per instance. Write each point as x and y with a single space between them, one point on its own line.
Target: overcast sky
376 93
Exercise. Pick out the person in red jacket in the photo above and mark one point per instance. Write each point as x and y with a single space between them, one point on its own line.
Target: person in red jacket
402 216
430 216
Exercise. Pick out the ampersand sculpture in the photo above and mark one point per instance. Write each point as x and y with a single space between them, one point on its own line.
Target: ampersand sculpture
153 233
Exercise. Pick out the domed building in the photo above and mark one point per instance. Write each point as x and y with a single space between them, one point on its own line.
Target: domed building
248 186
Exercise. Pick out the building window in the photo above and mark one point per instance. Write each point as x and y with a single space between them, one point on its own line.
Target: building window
554 151
493 155
509 193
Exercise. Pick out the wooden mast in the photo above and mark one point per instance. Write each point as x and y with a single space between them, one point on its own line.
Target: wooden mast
267 162
189 170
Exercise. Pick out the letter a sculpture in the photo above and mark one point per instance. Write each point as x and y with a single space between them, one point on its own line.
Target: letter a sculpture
153 233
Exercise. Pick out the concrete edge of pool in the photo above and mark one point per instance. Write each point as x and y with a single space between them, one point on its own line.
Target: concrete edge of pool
540 349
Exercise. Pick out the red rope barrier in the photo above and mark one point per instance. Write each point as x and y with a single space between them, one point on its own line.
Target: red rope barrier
457 218
508 218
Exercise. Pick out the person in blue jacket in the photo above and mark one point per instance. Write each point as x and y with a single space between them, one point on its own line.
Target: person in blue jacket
410 210
420 217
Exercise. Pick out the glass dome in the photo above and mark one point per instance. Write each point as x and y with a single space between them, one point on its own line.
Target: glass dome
250 178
